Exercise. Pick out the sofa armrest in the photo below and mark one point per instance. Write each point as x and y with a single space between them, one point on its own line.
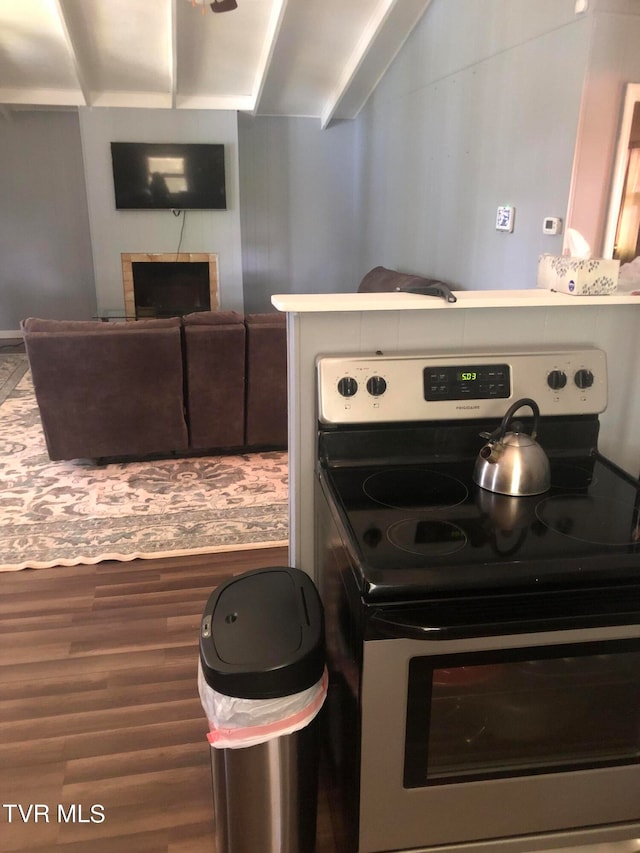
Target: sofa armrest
108 389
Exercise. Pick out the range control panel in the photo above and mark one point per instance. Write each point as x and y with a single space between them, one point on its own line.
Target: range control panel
467 381
411 387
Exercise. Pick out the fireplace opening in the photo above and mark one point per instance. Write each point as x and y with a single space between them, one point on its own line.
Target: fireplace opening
170 289
169 284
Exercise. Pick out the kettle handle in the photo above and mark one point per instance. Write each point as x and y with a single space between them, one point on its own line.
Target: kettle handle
525 401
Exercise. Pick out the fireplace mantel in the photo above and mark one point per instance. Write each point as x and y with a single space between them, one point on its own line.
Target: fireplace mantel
129 258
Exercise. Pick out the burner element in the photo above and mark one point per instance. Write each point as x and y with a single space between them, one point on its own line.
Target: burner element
427 538
566 476
415 488
592 519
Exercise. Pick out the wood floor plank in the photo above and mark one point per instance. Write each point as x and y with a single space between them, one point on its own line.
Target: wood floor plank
78 666
124 825
84 721
24 623
190 839
55 686
35 752
141 842
123 764
103 699
99 704
144 790
117 741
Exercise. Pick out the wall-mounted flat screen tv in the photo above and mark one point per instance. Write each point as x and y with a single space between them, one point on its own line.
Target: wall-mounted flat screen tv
176 176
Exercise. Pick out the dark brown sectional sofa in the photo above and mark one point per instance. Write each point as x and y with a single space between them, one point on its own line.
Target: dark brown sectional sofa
207 381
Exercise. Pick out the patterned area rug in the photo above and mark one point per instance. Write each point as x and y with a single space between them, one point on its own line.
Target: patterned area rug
13 367
66 513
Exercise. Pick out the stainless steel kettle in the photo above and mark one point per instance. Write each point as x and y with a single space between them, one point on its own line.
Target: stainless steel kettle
513 463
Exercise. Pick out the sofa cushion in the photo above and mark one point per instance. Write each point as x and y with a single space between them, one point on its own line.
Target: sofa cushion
34 324
215 374
275 318
267 415
212 318
108 389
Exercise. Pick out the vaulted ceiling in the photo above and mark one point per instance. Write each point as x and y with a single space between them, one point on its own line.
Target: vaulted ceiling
318 58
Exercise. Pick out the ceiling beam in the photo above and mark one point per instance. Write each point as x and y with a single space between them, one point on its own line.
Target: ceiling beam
41 97
356 59
271 38
238 103
72 47
395 17
139 100
173 55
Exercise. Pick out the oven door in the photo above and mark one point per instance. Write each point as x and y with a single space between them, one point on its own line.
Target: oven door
494 737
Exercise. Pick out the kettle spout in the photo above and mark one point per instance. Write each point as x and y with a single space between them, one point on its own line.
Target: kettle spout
490 453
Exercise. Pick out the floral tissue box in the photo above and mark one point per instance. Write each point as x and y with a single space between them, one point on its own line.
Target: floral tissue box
589 277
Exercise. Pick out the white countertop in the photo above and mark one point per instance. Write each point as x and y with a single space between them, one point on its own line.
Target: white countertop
398 301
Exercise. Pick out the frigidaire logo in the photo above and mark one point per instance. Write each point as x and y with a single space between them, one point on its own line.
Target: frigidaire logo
464 408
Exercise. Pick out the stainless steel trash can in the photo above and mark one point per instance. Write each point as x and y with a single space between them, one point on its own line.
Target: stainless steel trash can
262 637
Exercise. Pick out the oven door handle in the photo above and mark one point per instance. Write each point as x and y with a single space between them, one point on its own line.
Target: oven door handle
382 626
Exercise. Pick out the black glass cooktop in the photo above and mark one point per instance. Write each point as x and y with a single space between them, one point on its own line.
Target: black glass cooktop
428 526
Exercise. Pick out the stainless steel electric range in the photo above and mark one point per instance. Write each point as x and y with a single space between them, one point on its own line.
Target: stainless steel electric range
484 649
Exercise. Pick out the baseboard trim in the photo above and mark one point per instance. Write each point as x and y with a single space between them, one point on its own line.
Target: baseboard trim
17 335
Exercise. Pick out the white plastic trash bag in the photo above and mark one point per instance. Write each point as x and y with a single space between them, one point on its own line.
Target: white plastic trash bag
235 722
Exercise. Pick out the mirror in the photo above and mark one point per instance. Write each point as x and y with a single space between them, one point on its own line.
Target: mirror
622 233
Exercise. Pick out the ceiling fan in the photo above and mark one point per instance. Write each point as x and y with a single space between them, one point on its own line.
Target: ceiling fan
223 5
217 5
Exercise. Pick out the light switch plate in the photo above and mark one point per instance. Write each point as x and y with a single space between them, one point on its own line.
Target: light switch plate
505 217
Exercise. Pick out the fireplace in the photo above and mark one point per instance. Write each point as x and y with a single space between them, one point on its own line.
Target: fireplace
169 284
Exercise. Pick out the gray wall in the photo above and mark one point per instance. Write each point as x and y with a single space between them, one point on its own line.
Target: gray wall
115 231
46 267
299 208
480 109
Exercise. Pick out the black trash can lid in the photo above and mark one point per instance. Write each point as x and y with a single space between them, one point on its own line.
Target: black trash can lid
262 634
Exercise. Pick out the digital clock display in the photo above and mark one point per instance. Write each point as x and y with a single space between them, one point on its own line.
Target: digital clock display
467 381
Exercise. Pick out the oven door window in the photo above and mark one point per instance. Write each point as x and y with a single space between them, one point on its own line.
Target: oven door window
513 712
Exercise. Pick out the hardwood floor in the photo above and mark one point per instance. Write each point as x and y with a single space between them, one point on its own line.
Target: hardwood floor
99 706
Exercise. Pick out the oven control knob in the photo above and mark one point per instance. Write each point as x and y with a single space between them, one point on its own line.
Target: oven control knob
376 386
347 386
584 378
557 379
